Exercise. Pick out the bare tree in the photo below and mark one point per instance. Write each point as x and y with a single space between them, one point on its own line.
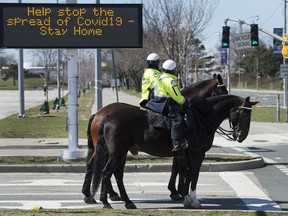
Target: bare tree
86 66
176 25
6 59
47 59
8 66
131 64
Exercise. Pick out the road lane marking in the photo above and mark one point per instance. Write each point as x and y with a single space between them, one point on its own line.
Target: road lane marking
282 168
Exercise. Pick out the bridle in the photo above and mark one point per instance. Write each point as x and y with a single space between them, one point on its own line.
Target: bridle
219 89
230 134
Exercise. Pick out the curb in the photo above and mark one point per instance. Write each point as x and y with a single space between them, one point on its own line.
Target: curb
164 167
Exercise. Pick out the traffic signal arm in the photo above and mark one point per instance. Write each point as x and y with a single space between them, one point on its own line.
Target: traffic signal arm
283 39
277 37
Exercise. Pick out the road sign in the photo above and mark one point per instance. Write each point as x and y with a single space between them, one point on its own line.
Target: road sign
242 41
71 25
284 71
277 44
223 56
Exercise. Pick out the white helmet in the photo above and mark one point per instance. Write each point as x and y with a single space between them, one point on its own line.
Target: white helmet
169 65
153 57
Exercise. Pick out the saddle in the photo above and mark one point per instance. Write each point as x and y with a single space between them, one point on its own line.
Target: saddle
158 120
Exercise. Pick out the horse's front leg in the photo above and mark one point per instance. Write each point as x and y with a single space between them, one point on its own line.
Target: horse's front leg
171 185
190 200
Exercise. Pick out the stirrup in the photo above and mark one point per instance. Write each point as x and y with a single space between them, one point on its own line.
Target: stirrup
181 146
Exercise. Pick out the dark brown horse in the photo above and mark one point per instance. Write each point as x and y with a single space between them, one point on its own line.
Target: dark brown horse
193 93
129 129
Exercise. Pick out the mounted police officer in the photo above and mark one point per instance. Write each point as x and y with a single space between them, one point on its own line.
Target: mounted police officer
149 78
169 101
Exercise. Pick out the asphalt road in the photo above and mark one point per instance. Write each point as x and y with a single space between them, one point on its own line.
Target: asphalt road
223 190
266 98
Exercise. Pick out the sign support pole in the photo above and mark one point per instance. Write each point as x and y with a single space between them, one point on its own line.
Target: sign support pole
21 82
98 77
73 153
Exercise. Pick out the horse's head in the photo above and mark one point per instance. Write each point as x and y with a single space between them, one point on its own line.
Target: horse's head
240 118
221 88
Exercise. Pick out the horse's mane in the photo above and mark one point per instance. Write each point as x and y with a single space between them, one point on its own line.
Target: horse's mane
199 84
219 98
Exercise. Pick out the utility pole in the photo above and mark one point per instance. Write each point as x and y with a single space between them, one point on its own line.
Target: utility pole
284 62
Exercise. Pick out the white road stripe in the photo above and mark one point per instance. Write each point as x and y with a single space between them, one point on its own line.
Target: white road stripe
248 192
267 160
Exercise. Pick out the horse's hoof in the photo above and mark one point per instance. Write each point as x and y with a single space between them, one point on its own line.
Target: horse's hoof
115 197
90 200
131 206
107 206
196 206
187 201
176 197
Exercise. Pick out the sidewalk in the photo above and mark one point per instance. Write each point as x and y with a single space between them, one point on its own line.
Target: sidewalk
53 146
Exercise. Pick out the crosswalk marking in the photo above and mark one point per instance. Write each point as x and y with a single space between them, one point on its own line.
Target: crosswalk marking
236 185
248 192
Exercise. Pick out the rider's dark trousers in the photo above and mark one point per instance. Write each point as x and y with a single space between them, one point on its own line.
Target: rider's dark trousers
176 114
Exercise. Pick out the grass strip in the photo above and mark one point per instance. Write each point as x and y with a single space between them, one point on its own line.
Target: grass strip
138 159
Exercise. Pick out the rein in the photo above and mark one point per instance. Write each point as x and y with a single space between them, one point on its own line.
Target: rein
227 134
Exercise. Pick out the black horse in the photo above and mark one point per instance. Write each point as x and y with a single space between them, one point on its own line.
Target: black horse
194 93
129 129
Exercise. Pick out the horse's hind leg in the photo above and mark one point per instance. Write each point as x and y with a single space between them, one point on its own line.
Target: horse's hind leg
119 173
107 172
113 196
87 180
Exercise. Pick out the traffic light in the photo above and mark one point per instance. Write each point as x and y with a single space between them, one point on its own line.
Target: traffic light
254 35
285 47
225 36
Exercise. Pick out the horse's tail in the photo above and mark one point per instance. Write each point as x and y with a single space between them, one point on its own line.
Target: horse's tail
99 160
89 139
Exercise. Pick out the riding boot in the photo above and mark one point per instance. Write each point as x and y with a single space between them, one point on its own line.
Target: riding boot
179 145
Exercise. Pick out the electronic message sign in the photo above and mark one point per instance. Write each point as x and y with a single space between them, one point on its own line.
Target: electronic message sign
70 25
